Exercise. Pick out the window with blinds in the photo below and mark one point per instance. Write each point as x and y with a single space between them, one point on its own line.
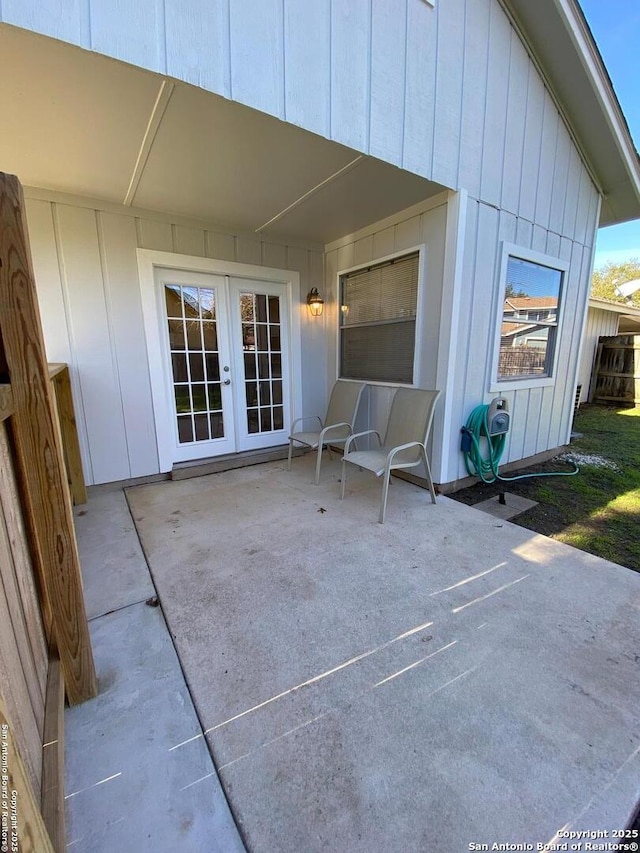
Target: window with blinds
378 321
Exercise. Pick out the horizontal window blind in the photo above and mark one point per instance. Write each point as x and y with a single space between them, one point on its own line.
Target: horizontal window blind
383 353
378 321
385 292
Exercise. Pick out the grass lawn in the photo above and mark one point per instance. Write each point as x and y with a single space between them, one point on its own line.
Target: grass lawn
598 510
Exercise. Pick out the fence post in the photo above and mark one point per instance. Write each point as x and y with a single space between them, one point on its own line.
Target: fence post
39 456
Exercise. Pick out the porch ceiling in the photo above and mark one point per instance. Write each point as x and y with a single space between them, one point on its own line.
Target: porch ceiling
81 123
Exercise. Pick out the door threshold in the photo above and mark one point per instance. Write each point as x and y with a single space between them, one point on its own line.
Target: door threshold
230 461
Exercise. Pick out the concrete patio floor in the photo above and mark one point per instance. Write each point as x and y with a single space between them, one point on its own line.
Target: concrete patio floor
127 789
444 679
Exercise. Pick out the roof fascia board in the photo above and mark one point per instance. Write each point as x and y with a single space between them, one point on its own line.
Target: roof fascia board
571 21
615 307
583 39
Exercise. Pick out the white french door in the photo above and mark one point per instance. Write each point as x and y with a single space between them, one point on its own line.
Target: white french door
225 344
260 355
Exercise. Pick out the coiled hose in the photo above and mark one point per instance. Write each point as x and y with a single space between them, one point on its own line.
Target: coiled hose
486 466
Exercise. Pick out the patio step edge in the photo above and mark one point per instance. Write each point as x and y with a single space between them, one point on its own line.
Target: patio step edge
229 462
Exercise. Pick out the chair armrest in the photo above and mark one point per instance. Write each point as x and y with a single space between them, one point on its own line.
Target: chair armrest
308 418
356 435
327 429
400 447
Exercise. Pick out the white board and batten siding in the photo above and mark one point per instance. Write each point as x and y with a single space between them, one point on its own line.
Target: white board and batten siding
537 193
85 264
424 86
528 185
541 416
448 91
425 228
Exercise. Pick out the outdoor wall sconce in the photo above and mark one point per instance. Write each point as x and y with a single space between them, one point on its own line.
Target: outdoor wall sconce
315 302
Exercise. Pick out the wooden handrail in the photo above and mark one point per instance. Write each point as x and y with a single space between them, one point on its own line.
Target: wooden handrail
38 451
63 399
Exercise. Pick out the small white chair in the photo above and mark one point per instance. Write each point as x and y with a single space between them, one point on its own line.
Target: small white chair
404 445
337 425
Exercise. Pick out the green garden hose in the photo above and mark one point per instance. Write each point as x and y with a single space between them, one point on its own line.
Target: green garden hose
487 466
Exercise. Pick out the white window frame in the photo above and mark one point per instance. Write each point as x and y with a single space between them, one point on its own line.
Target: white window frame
512 250
421 298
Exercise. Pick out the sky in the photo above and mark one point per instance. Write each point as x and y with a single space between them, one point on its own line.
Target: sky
615 25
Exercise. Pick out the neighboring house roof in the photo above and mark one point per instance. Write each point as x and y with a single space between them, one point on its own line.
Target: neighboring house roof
612 305
509 330
561 41
532 302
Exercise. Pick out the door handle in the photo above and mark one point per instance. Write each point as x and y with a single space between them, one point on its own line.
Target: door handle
227 382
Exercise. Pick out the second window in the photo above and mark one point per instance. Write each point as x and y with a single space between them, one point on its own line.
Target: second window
378 307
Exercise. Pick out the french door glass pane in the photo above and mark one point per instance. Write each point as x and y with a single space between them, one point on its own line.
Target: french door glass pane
196 366
185 429
274 309
261 343
179 363
216 423
195 362
252 393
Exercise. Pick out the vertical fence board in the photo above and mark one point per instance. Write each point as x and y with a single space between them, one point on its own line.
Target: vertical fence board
32 837
13 683
53 758
10 503
16 621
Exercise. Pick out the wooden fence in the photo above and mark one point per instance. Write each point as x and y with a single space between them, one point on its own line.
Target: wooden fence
616 371
521 361
45 651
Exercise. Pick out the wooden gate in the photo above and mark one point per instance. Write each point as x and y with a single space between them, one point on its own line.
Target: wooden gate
45 649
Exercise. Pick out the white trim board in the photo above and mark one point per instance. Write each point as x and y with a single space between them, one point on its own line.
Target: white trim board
444 437
148 260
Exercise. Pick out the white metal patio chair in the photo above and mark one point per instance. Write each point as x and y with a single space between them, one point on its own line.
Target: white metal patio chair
337 425
404 445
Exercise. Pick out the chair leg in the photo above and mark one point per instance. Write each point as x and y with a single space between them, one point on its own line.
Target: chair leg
385 492
318 464
429 478
290 452
343 479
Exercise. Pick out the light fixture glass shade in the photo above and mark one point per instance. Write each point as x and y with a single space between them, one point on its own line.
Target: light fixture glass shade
315 302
